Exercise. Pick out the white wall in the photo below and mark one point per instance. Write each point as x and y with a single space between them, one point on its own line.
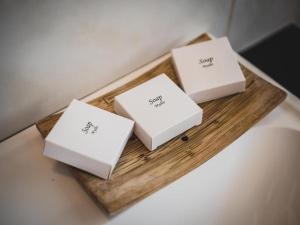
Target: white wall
253 20
53 51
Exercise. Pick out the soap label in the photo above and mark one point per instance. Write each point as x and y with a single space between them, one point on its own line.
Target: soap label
158 101
206 62
90 128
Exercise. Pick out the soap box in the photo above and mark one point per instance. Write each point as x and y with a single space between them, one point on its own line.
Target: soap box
208 70
160 109
88 138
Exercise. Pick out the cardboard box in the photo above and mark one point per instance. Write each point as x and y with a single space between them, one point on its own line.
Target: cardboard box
88 138
208 70
160 109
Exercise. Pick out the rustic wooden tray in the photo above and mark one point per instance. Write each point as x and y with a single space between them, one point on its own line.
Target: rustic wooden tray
140 172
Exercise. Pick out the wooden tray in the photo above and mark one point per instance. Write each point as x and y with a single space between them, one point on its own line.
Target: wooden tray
140 172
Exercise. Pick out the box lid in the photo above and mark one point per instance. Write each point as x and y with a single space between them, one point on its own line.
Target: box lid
206 66
158 105
90 132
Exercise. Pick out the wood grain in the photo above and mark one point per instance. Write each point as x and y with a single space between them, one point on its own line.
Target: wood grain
140 172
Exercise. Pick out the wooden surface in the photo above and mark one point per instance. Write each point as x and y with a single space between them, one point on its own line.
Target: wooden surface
140 172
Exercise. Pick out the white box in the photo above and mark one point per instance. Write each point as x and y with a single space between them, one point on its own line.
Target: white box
160 109
88 138
208 70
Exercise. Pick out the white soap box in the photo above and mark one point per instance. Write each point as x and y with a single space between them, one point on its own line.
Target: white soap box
88 138
160 109
208 70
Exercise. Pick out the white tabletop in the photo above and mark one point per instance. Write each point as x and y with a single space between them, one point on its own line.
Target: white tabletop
38 190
